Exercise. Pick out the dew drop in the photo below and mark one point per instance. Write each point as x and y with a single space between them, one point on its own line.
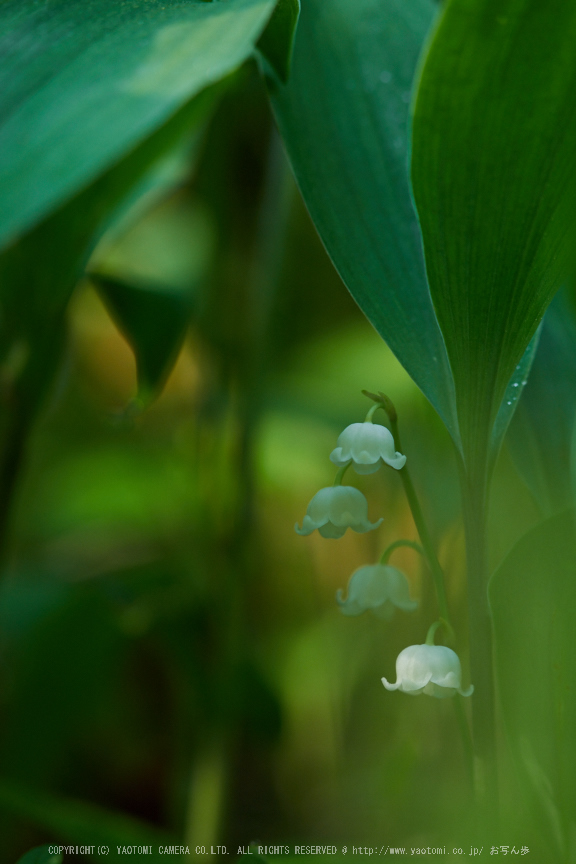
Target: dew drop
385 77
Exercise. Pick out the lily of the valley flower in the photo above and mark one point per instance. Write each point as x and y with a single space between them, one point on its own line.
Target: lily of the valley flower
431 669
334 509
367 445
379 588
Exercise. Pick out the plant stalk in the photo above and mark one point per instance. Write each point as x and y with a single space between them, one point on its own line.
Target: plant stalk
474 486
421 526
474 505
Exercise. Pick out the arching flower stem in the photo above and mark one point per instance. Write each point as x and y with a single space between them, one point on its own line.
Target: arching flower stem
411 544
434 627
386 404
432 631
427 548
371 413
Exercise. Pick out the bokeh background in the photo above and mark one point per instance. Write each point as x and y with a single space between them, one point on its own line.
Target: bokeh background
172 659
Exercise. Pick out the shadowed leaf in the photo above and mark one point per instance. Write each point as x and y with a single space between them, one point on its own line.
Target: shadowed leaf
344 119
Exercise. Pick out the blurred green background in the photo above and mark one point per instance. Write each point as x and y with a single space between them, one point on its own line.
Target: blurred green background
172 660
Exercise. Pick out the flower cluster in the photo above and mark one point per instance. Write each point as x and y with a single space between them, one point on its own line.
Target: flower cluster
380 588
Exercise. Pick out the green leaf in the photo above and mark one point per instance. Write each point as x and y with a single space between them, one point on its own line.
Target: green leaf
85 81
540 436
40 271
277 41
154 321
344 119
533 597
510 402
79 823
494 136
40 855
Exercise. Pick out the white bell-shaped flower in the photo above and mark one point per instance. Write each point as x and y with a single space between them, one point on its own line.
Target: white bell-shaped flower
334 509
367 445
379 588
431 669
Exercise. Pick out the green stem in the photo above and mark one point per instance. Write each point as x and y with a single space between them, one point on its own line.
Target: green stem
340 475
421 527
411 544
432 631
435 568
474 501
371 412
206 796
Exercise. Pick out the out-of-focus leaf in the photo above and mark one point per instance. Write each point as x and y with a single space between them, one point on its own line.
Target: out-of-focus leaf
540 436
40 855
85 81
78 823
154 321
344 118
494 136
277 40
39 272
533 597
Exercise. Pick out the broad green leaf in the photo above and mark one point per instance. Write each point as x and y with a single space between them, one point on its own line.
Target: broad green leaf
78 823
154 320
494 136
540 435
344 119
533 597
40 855
277 40
85 81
